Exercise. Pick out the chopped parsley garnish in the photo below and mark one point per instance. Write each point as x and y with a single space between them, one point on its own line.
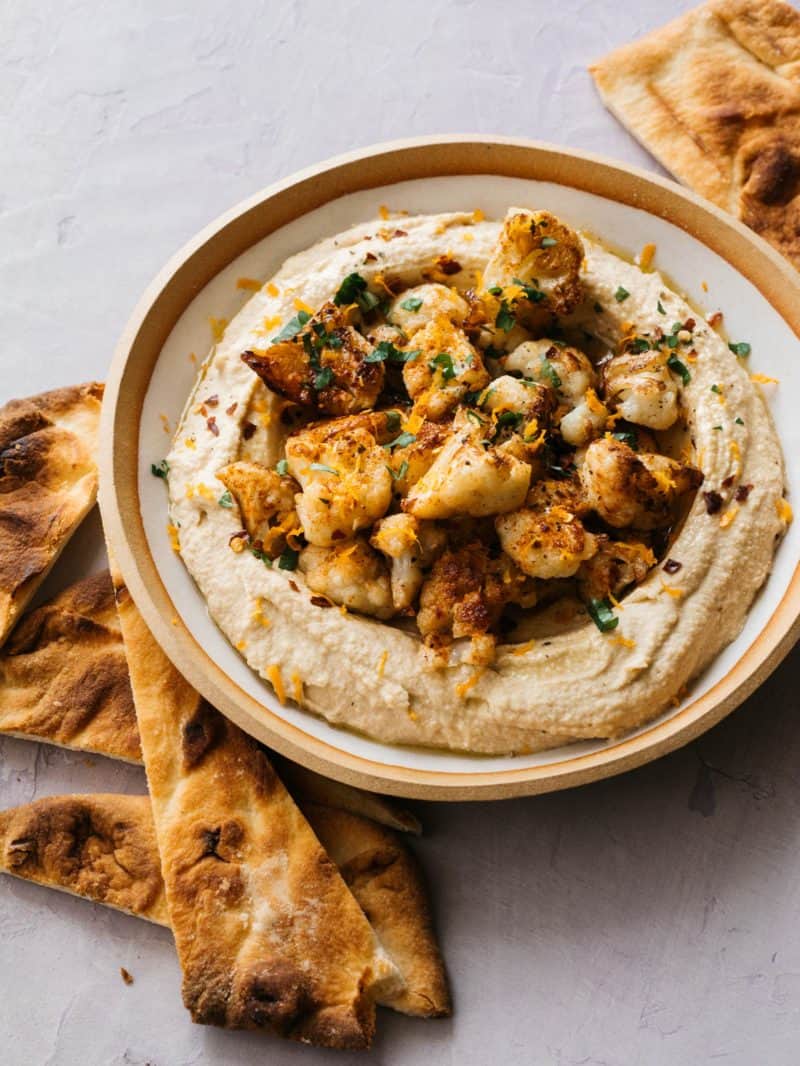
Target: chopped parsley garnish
473 416
505 318
716 389
716 427
739 422
265 559
287 560
621 294
639 344
444 362
413 303
323 378
160 469
353 290
495 290
660 307
677 367
401 472
282 467
400 442
292 327
531 292
324 467
548 242
627 436
393 421
549 371
226 500
602 615
740 348
386 352
677 326
509 418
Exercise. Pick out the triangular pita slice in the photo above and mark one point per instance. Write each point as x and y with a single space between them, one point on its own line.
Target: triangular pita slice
64 677
268 934
63 842
48 482
387 881
715 96
101 847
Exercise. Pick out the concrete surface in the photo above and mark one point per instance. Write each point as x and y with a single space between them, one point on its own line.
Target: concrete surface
650 919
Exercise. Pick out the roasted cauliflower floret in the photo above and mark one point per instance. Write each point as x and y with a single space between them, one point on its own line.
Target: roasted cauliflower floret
265 499
341 468
447 367
468 477
411 546
537 249
519 405
324 366
421 305
627 488
464 597
350 574
411 458
643 389
614 566
569 371
546 538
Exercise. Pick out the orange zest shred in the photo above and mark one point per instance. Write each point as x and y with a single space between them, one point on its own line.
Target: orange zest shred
383 211
478 215
624 642
174 540
671 590
784 509
763 379
272 289
275 679
728 517
646 257
382 663
241 645
462 689
253 284
297 687
523 649
218 327
301 305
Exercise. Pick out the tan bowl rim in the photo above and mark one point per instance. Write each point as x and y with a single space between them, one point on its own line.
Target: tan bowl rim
216 245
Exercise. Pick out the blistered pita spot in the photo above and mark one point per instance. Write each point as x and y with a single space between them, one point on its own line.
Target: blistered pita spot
278 995
774 175
200 735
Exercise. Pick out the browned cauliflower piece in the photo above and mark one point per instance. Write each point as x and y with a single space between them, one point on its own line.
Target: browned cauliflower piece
350 574
447 368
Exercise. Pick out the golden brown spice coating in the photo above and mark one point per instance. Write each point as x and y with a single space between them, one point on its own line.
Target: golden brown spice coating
63 674
48 482
324 367
263 496
447 368
614 567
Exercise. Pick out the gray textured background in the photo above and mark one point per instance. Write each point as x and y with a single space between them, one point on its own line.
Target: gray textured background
649 919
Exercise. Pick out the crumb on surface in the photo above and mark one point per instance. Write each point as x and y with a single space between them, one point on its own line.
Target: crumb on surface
126 977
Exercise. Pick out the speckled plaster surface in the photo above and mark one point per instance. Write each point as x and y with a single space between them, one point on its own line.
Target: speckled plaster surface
650 919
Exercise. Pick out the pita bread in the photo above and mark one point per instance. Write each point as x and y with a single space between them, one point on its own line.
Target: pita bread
387 882
268 935
64 677
715 96
100 847
37 843
48 482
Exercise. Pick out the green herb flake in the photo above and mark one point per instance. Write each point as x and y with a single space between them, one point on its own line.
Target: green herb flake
325 468
621 294
262 556
353 290
226 500
602 615
716 389
639 344
549 242
399 473
287 560
509 418
292 327
413 303
741 349
160 469
444 362
660 307
387 352
495 291
531 292
473 416
550 372
393 421
402 441
627 436
282 467
323 378
716 427
506 318
677 367
739 422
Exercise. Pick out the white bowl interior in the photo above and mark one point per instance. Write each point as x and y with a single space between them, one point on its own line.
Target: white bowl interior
709 282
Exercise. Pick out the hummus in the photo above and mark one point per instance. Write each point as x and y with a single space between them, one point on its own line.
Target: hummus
596 655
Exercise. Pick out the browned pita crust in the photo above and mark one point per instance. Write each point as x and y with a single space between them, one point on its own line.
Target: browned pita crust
267 933
48 482
37 842
387 881
715 96
64 677
100 847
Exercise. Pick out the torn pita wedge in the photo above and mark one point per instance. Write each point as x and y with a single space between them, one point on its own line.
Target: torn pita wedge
64 842
100 847
715 96
268 934
387 881
48 482
317 789
64 676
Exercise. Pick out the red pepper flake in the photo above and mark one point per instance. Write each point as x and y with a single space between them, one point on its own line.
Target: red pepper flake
715 319
672 566
212 401
337 534
729 480
370 258
448 265
248 429
713 502
400 233
231 409
126 977
321 601
689 324
212 425
293 586
742 493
